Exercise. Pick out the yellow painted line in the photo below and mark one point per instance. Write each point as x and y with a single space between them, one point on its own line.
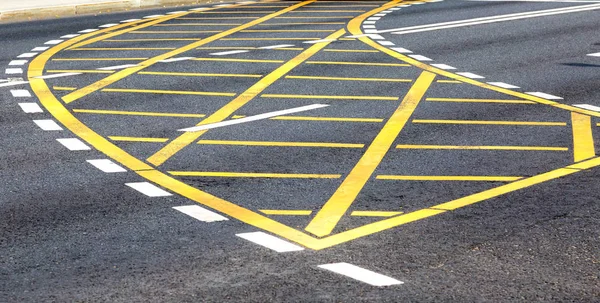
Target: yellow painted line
223 113
120 48
217 18
288 31
238 60
267 39
334 209
480 122
83 71
236 12
467 100
449 178
63 88
391 98
281 144
129 71
328 119
315 17
251 175
347 39
350 50
175 32
343 6
448 81
134 113
348 79
482 147
168 92
99 59
285 212
358 63
227 47
199 74
374 213
303 23
138 139
330 11
153 40
583 140
198 24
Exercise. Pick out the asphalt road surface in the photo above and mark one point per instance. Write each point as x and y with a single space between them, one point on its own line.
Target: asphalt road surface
303 151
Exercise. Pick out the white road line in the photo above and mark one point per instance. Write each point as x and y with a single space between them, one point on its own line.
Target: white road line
13 71
200 213
361 274
17 62
254 118
588 106
395 9
369 22
470 75
319 41
130 20
373 18
401 50
379 15
73 144
420 58
503 85
20 93
13 83
277 46
370 31
443 66
544 95
229 52
386 12
176 59
117 67
40 49
376 37
108 25
85 31
106 166
369 26
48 125
149 189
270 242
153 16
594 55
177 12
199 9
53 42
222 5
27 55
386 43
57 75
69 36
31 107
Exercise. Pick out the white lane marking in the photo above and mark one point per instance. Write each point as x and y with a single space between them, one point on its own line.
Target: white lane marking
85 31
246 2
69 36
588 106
177 12
17 62
48 125
57 75
376 37
117 67
369 26
73 144
276 46
13 83
544 95
370 31
405 5
199 9
420 58
200 213
40 49
379 15
470 75
149 189
13 71
20 93
153 16
270 242
594 55
395 9
108 25
443 66
229 52
130 20
373 18
31 107
53 42
254 118
402 50
369 22
176 59
27 55
386 43
319 41
106 166
386 12
222 5
361 274
503 85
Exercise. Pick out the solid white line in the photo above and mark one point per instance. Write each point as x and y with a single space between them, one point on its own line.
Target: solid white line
106 166
57 75
229 52
276 46
594 55
386 43
17 62
443 66
544 95
470 75
48 125
40 49
130 20
20 93
503 85
108 25
13 83
588 106
319 41
360 274
85 31
176 59
254 118
270 242
401 50
53 42
420 58
148 189
12 71
200 213
27 55
222 5
73 144
31 108
117 67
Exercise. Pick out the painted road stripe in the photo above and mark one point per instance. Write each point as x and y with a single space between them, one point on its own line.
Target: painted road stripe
277 46
480 100
286 212
130 20
148 189
319 41
106 166
200 213
20 93
13 83
108 25
58 75
230 52
117 67
281 144
544 95
588 107
470 75
17 62
390 98
176 59
73 144
386 43
254 118
40 49
13 71
480 122
31 108
443 66
503 85
69 36
219 174
361 274
594 55
348 79
134 113
48 125
270 242
401 50
53 42
374 213
420 58
85 31
138 139
152 16
27 55
449 178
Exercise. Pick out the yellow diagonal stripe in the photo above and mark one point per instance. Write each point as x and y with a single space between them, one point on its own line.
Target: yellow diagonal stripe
449 178
281 144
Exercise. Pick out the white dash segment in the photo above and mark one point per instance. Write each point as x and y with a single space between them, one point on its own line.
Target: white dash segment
276 46
361 274
149 189
370 31
544 95
48 125
369 22
386 12
503 85
229 52
395 9
200 213
386 43
117 67
73 144
270 242
420 58
443 66
53 42
40 49
85 31
27 55
107 166
57 75
108 25
379 15
17 62
176 59
319 41
594 55
130 20
402 50
470 75
13 71
177 12
153 16
369 26
13 83
373 18
199 9
20 93
588 107
31 107
69 36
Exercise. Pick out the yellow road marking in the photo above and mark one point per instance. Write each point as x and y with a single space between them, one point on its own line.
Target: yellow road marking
482 147
480 122
175 32
449 178
330 119
266 39
288 31
480 100
99 59
343 6
251 175
138 139
333 11
153 40
331 213
199 74
218 18
187 138
448 81
86 71
237 12
304 23
134 113
358 63
168 92
583 141
238 60
249 47
348 79
391 98
284 212
282 144
314 17
199 24
347 39
350 50
63 88
374 213
120 48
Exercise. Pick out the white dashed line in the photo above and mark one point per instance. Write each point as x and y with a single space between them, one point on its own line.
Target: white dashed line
376 37
176 59
222 5
27 55
544 95
594 55
230 52
386 12
319 41
149 189
108 25
48 125
588 107
503 85
153 16
361 274
369 26
69 36
395 9
57 75
130 20
40 49
276 46
470 75
53 42
199 9
200 213
85 31
117 67
17 62
369 22
31 108
177 12
386 43
270 242
373 18
401 50
379 15
73 144
370 31
443 66
106 166
420 58
13 83
13 71
20 93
